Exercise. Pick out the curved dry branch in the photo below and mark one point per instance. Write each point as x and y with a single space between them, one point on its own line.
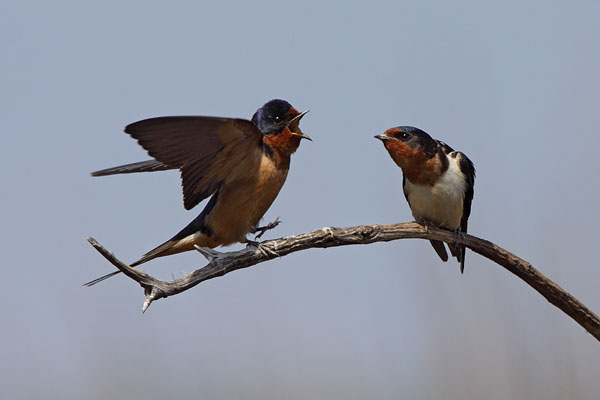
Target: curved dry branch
223 263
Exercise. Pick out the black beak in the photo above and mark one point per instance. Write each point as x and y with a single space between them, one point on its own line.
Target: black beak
383 138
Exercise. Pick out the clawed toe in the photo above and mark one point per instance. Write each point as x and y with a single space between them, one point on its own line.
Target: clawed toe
264 249
425 224
263 229
459 235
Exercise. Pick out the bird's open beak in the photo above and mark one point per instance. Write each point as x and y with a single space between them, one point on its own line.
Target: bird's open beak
383 138
294 127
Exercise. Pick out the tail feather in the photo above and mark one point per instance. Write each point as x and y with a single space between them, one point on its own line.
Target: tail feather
167 248
172 246
459 252
98 280
196 232
161 250
440 249
142 166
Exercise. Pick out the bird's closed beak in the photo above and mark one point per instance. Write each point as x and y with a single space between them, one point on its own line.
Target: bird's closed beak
294 127
383 138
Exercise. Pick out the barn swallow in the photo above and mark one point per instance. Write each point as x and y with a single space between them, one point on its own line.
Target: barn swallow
437 182
242 164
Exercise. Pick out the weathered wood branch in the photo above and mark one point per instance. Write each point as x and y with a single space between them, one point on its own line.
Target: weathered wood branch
224 263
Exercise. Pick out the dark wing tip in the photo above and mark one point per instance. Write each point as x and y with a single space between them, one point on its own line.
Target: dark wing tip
150 123
142 166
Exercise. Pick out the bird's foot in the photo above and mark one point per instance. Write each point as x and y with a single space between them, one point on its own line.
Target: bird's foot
459 235
426 224
263 229
265 250
208 253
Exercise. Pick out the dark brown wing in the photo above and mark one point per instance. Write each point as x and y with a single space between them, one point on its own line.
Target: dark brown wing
445 148
203 148
467 168
142 166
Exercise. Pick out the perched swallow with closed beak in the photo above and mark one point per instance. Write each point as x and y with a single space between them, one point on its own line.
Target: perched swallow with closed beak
242 164
437 182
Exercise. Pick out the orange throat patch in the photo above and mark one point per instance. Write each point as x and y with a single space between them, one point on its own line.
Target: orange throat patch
283 145
416 166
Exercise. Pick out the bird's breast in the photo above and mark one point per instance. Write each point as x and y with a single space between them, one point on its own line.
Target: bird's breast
243 200
442 202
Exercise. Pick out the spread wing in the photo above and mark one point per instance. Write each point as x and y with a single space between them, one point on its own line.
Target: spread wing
203 148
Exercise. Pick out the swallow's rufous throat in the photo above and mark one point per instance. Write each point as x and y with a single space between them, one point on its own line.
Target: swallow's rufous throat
437 182
242 164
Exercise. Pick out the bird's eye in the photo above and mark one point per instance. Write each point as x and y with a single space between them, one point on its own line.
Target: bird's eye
403 135
277 118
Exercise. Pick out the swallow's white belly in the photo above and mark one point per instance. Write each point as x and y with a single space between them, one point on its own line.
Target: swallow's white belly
442 203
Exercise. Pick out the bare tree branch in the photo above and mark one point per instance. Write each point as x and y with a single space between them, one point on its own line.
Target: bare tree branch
224 263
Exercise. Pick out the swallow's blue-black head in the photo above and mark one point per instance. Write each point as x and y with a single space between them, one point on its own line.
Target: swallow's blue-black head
416 153
275 116
409 137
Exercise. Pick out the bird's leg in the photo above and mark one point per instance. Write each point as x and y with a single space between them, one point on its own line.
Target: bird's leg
264 249
425 224
459 235
263 229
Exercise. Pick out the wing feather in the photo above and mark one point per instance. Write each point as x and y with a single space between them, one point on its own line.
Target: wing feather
201 147
142 166
467 167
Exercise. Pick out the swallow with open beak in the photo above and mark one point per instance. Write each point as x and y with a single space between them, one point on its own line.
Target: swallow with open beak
242 164
437 182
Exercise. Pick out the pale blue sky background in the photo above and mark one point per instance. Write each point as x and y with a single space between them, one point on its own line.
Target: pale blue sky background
512 84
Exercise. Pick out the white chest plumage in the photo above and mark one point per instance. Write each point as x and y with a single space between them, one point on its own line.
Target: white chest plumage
442 203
